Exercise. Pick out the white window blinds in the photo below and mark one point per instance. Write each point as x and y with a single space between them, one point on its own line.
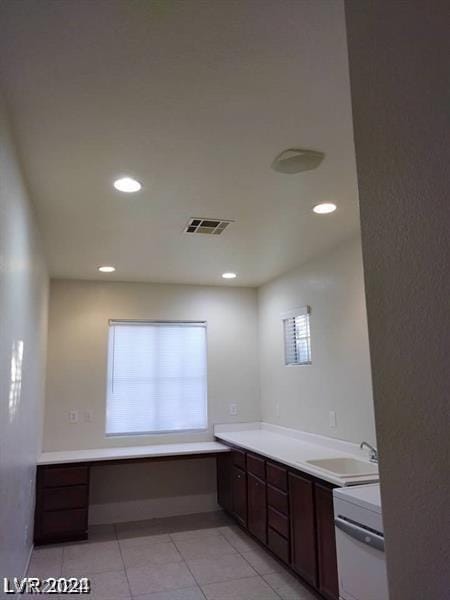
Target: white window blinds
297 337
157 379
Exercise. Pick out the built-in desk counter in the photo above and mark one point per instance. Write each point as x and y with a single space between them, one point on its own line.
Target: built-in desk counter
96 455
62 483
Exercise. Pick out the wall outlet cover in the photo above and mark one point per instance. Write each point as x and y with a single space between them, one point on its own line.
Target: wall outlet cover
332 419
73 416
233 410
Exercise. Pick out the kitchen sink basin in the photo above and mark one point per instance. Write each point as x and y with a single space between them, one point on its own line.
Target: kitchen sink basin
345 467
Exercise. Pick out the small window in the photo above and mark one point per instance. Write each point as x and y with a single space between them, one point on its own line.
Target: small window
157 379
297 337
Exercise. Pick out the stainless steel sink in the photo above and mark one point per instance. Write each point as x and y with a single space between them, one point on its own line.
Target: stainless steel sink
345 467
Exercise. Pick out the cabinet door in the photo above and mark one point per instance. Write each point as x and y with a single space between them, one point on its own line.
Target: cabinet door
239 490
257 507
225 481
326 542
303 539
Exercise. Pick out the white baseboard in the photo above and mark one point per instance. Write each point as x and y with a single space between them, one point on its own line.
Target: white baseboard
151 508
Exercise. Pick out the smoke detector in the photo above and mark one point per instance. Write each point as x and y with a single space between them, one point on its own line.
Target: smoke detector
206 226
296 160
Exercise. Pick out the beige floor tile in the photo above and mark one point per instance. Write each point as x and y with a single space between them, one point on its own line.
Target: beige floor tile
193 593
210 546
101 533
224 568
109 586
288 587
140 529
253 588
196 533
144 580
238 539
262 562
144 541
84 559
150 554
46 561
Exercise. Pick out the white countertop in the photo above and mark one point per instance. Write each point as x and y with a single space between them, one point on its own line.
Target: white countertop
367 496
293 448
130 452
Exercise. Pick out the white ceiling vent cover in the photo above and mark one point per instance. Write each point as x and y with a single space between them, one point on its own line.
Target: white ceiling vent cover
296 160
206 226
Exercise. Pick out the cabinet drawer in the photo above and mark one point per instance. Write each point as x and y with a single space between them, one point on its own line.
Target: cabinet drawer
277 476
256 466
60 476
239 459
278 522
74 496
278 500
64 522
278 544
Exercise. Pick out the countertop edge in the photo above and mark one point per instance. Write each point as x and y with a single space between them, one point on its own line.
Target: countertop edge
305 468
156 451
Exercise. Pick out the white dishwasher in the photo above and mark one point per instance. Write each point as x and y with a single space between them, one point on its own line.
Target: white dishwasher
360 543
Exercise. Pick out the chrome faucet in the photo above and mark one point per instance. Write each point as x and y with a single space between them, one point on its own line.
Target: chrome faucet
373 451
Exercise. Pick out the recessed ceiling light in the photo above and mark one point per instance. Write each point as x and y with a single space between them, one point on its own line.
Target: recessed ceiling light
325 208
229 275
107 269
127 185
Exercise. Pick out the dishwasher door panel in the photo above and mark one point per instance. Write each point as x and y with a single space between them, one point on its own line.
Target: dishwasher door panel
361 567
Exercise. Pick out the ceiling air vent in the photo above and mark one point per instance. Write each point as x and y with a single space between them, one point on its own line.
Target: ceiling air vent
208 226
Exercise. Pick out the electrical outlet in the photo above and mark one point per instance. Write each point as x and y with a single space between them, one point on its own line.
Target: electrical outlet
233 410
73 416
88 416
332 419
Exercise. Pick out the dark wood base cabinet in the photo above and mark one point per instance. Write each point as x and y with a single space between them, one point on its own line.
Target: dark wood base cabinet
303 528
288 511
62 500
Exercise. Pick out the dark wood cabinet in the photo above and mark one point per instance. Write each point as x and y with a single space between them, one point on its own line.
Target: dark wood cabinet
225 481
326 542
290 512
62 501
303 534
239 495
257 507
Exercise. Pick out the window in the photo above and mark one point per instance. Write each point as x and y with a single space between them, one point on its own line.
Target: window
297 337
156 377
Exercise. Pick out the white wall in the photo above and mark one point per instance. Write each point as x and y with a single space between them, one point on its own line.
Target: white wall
77 353
23 328
399 56
76 379
339 377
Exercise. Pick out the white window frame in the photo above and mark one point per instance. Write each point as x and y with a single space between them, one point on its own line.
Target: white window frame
288 327
110 360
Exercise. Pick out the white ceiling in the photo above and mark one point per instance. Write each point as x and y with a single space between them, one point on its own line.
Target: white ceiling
194 98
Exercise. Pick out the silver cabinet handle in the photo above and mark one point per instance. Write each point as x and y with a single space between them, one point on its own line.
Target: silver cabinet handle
361 534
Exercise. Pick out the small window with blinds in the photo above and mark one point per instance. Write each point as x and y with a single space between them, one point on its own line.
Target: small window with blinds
157 377
297 337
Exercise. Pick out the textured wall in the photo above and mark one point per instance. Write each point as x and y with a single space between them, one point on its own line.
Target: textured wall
339 377
399 65
77 353
23 329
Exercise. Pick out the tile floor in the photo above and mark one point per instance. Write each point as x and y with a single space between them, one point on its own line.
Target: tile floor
193 557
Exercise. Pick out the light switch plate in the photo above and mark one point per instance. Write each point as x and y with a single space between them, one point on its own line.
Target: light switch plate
233 410
88 416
